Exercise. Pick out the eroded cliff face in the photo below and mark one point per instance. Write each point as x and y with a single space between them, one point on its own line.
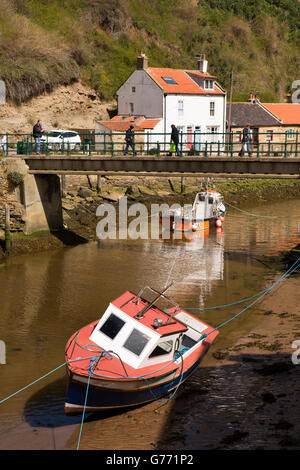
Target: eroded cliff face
67 107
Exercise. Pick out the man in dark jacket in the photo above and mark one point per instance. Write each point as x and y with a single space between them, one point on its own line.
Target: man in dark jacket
175 138
247 137
37 134
129 139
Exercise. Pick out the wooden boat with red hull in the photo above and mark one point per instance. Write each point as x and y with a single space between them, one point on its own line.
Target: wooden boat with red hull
136 353
207 210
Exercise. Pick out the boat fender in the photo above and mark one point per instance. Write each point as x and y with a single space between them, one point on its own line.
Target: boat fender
194 227
219 223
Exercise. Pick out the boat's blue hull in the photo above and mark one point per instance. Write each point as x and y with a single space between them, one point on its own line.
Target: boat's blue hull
100 398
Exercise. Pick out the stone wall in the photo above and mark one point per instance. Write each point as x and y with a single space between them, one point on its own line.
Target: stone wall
12 196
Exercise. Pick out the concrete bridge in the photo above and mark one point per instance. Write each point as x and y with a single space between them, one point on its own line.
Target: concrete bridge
165 166
40 191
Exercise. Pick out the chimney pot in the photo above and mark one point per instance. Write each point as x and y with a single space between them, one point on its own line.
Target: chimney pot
201 63
142 62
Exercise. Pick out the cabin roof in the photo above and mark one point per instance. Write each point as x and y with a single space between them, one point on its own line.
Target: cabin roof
126 305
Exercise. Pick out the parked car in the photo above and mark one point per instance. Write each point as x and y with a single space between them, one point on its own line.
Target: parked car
58 139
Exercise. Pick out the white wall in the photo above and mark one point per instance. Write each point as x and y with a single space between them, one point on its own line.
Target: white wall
147 99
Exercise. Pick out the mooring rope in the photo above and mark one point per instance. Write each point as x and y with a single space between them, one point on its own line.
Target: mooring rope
251 214
293 268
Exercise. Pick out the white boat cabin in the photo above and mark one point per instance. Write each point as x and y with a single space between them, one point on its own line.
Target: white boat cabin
142 334
208 205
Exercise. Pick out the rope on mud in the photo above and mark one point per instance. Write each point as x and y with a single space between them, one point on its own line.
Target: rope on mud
293 268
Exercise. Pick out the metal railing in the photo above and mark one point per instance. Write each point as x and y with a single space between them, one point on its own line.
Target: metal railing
204 144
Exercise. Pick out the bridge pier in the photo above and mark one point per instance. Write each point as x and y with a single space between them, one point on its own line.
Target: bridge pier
42 203
40 196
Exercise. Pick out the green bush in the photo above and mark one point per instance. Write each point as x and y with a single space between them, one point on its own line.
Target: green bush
15 178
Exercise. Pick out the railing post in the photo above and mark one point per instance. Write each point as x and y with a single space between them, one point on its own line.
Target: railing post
285 145
112 147
269 148
258 144
148 143
181 133
296 148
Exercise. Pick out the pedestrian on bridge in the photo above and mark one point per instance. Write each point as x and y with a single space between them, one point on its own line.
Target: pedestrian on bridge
175 139
247 137
3 143
37 134
129 139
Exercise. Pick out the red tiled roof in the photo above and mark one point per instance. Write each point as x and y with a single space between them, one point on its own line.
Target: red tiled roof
119 126
184 83
288 113
121 123
149 123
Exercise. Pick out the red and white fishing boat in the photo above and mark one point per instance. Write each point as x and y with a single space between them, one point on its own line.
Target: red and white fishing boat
207 210
136 353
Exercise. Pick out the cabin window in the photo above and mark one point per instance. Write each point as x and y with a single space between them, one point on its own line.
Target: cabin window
162 348
187 341
201 197
136 342
210 200
112 326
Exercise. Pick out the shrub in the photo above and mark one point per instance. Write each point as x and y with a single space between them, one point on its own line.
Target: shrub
15 178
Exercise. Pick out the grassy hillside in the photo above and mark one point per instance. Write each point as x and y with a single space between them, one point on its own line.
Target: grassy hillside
44 43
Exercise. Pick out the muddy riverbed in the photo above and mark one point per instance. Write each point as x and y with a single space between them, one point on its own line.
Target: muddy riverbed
242 397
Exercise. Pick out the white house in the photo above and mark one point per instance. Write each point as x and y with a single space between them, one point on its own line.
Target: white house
190 99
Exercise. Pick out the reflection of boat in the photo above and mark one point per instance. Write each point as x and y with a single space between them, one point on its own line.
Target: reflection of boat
135 353
208 209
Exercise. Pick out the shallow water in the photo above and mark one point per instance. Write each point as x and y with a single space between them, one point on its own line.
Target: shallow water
47 296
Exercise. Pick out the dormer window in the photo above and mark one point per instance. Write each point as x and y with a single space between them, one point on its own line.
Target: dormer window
169 80
208 84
